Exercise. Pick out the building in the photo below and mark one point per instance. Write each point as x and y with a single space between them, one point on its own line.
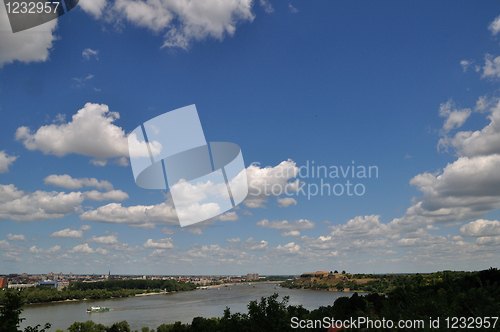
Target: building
48 284
21 286
252 276
4 282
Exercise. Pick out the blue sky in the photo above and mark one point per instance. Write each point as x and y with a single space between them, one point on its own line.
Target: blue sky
411 88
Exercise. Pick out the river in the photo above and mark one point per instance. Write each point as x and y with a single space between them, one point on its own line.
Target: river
154 310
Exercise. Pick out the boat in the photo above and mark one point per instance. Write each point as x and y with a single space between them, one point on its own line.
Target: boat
97 309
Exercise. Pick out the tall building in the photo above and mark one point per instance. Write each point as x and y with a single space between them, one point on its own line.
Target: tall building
252 276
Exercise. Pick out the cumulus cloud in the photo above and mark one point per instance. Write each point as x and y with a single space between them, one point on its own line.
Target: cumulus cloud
50 250
288 228
91 133
360 227
86 227
142 216
113 195
66 181
166 243
454 118
94 8
270 181
480 142
168 231
41 205
481 228
110 239
286 202
32 45
491 68
68 233
183 21
6 161
234 240
494 26
289 248
195 230
82 248
16 237
465 189
252 245
229 216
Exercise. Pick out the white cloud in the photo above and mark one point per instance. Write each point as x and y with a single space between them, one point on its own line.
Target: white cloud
252 245
229 216
167 231
40 205
494 26
66 181
32 45
51 250
465 64
289 248
288 228
82 248
101 251
360 227
85 227
159 244
465 189
236 240
94 8
270 181
480 142
480 228
268 7
291 233
195 230
491 68
68 233
14 237
6 161
454 118
88 53
90 133
184 21
110 239
143 216
488 241
286 202
292 9
113 195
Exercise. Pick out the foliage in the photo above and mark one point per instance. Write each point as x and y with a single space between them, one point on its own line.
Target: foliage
10 314
100 290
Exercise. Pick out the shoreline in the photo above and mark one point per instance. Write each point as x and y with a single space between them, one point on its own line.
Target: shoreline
242 283
106 298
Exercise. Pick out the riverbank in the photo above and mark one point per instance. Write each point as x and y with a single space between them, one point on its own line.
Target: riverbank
244 284
104 298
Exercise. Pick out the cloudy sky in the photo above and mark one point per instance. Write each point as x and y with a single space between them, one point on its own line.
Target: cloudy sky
407 90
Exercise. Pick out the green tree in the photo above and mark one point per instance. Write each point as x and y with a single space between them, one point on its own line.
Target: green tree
10 312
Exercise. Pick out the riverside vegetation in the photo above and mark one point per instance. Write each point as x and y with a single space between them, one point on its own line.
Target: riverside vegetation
99 290
445 294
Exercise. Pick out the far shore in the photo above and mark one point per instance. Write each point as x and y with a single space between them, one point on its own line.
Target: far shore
106 298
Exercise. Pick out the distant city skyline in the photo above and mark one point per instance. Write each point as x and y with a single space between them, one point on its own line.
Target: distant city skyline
394 107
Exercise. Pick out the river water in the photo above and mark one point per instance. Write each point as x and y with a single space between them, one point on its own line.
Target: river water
154 310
